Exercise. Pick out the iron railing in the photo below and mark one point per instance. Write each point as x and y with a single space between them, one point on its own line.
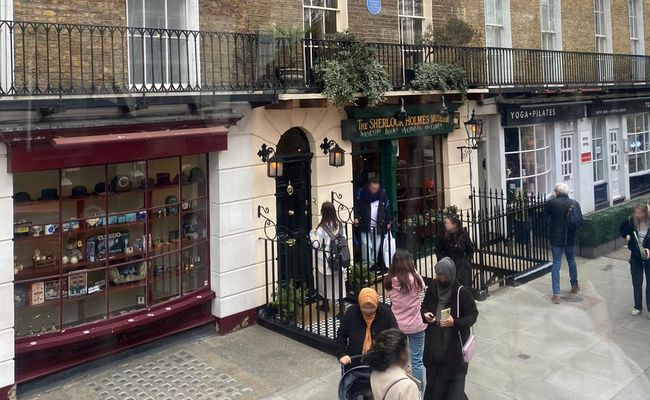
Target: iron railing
510 240
71 59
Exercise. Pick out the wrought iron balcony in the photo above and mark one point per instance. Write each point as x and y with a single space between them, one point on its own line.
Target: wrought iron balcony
41 59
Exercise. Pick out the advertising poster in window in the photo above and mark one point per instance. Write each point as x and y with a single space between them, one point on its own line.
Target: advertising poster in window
585 147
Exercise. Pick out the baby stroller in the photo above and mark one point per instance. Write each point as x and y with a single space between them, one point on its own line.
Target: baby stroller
355 382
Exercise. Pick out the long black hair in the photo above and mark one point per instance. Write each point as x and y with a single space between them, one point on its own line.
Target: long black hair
389 348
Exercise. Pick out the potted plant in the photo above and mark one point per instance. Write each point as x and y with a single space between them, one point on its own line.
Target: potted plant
287 301
357 279
289 70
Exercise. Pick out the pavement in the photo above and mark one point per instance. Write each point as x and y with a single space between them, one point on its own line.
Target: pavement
588 347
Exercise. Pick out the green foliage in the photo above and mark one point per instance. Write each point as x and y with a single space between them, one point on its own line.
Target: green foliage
292 37
444 77
455 32
358 276
287 299
351 67
602 226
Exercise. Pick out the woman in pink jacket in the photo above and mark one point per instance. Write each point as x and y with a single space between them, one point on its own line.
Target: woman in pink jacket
404 286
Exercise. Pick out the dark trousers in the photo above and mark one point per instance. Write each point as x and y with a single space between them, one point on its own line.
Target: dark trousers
638 268
444 388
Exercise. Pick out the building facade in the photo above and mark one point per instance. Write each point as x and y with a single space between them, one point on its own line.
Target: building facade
131 130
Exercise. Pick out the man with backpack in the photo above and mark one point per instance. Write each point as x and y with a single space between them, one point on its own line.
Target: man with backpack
566 218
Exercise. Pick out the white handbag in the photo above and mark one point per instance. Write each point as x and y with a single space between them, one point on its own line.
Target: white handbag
388 248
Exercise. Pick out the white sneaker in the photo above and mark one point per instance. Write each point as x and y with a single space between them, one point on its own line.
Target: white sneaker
648 316
636 313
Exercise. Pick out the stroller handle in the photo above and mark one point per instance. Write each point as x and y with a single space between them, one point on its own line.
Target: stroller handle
352 358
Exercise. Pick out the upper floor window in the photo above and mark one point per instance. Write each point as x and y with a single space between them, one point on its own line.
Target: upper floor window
411 18
159 54
551 39
320 17
602 15
497 23
636 26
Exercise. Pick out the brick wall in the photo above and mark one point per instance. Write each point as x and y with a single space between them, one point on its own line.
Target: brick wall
578 26
470 11
620 27
382 27
525 24
91 12
249 15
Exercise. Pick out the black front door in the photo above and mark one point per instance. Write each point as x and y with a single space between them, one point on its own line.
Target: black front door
293 201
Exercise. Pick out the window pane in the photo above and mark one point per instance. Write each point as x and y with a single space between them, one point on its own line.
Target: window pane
177 14
136 58
179 64
135 13
154 14
511 137
528 138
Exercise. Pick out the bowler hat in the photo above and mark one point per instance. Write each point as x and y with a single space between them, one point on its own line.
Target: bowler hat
121 183
79 191
49 194
22 196
100 188
163 179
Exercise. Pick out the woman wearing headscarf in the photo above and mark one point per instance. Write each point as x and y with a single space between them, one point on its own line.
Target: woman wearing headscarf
361 324
443 353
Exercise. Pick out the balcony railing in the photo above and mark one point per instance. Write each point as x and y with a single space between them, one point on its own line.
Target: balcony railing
62 59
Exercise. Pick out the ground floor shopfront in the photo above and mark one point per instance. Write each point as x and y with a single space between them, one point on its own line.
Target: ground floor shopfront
599 147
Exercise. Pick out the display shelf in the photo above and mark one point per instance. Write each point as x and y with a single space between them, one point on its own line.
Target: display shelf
90 196
33 238
36 206
32 273
45 304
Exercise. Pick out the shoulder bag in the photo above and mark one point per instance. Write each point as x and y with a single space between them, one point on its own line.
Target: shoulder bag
469 347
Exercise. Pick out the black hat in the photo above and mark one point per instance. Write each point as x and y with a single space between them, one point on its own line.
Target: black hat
163 179
22 196
196 174
100 188
121 183
79 191
49 194
184 179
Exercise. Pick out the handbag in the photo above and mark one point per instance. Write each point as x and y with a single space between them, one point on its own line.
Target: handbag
388 249
469 347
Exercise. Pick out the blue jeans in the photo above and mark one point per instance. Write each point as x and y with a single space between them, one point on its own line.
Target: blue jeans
570 252
416 344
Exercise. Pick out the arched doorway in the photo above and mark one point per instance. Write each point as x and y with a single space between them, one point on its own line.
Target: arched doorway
293 205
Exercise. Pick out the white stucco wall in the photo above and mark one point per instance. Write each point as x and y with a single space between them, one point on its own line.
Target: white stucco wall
238 184
6 275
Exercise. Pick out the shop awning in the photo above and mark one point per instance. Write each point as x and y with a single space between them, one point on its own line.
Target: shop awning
52 151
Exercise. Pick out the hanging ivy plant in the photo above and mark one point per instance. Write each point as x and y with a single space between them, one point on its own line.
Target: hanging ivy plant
351 67
444 77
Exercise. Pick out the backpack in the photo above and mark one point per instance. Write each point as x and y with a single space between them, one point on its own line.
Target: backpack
574 218
339 256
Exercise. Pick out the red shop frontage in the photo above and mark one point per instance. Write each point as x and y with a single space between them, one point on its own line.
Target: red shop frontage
111 239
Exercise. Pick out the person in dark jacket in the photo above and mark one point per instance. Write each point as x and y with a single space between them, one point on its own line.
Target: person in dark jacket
456 244
361 324
443 349
562 238
373 218
635 231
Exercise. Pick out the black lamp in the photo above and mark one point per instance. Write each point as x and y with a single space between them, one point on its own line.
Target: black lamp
474 129
274 164
337 154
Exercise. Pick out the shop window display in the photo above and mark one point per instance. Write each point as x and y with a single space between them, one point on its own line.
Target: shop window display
94 243
528 159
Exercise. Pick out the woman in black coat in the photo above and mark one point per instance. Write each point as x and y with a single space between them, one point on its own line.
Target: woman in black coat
361 324
636 230
443 353
456 244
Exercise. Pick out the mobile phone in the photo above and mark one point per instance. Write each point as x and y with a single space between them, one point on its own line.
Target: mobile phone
444 314
429 315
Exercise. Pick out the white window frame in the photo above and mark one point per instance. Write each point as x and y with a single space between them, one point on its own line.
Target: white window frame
548 161
632 134
311 6
603 11
551 10
598 133
501 23
636 20
193 42
406 11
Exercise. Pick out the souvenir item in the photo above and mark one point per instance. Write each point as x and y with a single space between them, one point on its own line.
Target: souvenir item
130 217
182 178
37 293
121 183
96 287
21 231
171 210
20 295
192 227
50 229
37 229
52 290
91 250
21 197
92 222
77 284
79 191
163 179
18 267
116 243
73 251
128 273
141 216
70 226
187 205
65 259
49 194
196 175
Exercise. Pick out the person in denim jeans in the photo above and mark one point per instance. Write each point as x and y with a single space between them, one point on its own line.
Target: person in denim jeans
404 286
636 231
562 239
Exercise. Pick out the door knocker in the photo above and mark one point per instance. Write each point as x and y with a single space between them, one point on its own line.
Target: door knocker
289 189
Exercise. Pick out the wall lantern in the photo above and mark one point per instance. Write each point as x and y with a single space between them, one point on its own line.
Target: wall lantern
274 164
474 129
337 154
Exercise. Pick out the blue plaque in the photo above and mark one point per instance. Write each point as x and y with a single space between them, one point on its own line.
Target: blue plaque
374 6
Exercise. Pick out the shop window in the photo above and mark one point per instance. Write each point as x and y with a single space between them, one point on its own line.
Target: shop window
411 18
160 54
638 137
598 155
94 243
528 159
